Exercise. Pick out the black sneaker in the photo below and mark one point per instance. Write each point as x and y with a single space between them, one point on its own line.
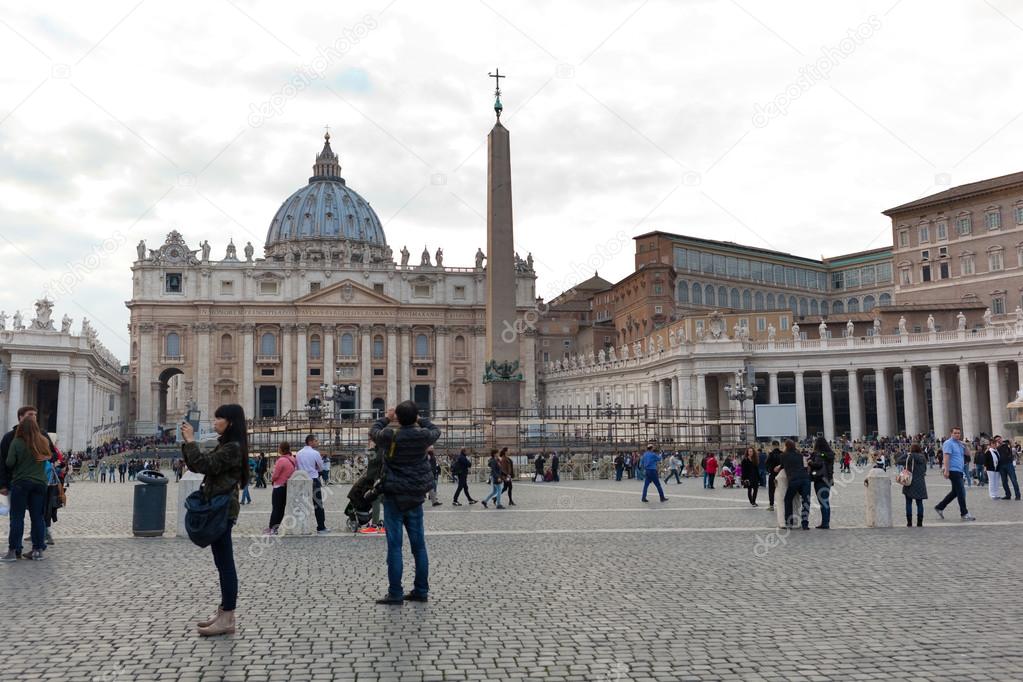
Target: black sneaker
412 596
473 501
437 504
456 504
500 507
389 601
484 504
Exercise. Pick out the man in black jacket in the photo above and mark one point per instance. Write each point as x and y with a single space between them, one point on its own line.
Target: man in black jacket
772 464
461 471
1007 467
408 477
799 484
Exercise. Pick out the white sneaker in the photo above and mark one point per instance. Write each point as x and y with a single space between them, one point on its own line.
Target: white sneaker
325 531
968 517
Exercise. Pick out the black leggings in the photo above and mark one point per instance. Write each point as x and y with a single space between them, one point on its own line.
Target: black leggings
770 488
278 500
751 493
223 557
463 485
508 489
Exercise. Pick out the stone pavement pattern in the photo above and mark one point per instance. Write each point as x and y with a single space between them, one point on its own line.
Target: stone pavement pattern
581 581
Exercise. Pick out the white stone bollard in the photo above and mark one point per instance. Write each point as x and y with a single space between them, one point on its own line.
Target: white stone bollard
781 484
879 498
189 483
298 514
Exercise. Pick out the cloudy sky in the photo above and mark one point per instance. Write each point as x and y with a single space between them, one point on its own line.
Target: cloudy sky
783 125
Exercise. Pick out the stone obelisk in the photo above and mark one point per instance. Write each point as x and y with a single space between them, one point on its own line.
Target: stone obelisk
502 376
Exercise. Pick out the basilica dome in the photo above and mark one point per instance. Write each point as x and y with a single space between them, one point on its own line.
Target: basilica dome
325 210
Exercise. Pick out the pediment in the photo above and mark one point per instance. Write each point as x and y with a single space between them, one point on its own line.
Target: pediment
346 292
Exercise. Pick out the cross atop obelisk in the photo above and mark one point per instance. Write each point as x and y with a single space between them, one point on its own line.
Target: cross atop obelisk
498 107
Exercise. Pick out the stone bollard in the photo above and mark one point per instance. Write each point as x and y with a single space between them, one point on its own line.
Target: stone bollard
879 498
188 484
781 484
298 514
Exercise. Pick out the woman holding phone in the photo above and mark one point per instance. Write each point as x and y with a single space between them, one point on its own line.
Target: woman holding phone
226 471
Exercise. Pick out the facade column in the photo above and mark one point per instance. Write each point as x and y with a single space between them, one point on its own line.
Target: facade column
155 391
392 367
15 390
939 401
328 356
365 369
405 392
997 397
287 380
64 410
884 424
676 396
701 392
203 383
440 359
301 366
828 404
968 402
910 404
772 388
655 394
144 408
248 397
800 404
856 426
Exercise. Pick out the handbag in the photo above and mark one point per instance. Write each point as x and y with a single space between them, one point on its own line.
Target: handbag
206 519
905 477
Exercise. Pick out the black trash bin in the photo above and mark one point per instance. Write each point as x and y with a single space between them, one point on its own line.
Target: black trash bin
150 510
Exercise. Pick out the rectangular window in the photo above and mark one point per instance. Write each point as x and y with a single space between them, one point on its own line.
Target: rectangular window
761 324
963 225
757 271
314 371
905 277
783 322
942 251
925 254
1019 215
227 286
943 270
268 287
925 273
801 277
838 280
266 372
172 283
994 261
719 265
903 239
694 261
732 266
378 287
925 234
658 290
993 220
852 279
680 258
378 371
768 273
966 266
422 372
110 404
459 292
884 273
998 305
658 310
867 276
707 263
314 286
546 356
942 229
421 290
743 268
790 276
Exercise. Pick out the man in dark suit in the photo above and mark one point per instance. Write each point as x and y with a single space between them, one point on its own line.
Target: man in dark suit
772 464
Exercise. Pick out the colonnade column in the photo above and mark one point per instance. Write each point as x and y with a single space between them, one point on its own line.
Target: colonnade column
16 381
365 370
392 366
828 405
884 424
64 410
968 402
440 397
302 366
855 406
82 428
909 402
772 388
405 391
801 404
939 401
287 381
248 397
994 387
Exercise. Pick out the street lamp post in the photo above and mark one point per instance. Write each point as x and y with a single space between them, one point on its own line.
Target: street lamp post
741 392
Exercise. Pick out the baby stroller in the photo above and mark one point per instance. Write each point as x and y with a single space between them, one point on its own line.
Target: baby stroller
358 517
728 476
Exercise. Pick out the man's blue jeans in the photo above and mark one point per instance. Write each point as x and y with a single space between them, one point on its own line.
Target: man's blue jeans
958 492
652 477
31 497
1009 474
412 521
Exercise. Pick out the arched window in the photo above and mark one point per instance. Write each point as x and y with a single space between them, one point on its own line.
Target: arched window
226 346
697 294
770 302
814 310
824 308
868 303
378 347
709 296
758 301
268 344
173 345
422 346
347 344
747 300
459 346
885 299
804 307
683 291
723 297
838 308
315 348
853 305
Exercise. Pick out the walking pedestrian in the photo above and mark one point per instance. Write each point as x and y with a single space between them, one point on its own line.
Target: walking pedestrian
496 480
461 471
538 464
710 467
285 466
773 462
508 470
226 470
311 462
822 473
917 488
408 479
953 468
799 484
674 465
435 468
648 462
751 475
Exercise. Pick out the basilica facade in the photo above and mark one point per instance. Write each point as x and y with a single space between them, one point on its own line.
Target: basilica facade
330 315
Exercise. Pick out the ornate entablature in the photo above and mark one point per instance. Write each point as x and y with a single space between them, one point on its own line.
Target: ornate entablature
173 252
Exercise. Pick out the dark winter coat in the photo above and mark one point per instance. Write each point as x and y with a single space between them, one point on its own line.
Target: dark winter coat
223 468
917 489
408 476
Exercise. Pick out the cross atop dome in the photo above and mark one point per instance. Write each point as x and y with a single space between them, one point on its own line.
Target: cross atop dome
327 166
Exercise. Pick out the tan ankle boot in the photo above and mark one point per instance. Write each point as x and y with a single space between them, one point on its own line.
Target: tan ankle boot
209 621
222 625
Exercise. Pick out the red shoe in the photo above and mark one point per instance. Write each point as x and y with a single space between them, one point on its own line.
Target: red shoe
368 530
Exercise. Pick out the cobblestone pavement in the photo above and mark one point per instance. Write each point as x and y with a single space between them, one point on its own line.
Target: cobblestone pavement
580 581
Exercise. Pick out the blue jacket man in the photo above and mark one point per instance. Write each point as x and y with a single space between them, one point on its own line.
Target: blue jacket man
648 462
407 478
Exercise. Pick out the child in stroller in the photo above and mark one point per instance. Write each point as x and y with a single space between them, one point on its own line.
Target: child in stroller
360 509
728 475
